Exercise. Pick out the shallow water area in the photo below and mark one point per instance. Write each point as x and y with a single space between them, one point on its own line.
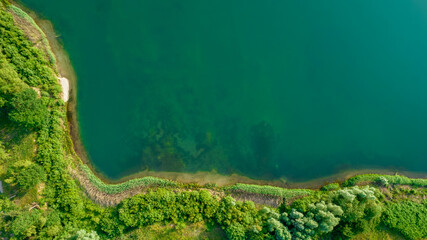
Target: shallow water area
265 89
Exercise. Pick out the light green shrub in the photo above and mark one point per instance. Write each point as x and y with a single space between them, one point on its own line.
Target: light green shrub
392 179
331 187
269 190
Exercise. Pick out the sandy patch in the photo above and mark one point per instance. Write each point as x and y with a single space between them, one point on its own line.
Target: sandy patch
65 88
37 90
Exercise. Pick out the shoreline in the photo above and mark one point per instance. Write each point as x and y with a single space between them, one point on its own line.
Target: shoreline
212 177
65 70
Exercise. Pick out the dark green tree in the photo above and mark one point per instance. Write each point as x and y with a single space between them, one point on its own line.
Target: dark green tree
28 110
361 209
10 84
26 224
30 176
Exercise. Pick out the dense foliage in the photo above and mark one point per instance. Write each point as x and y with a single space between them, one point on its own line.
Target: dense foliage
43 201
28 109
28 61
407 217
396 179
25 174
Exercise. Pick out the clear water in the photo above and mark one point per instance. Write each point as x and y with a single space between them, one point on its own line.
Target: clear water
266 89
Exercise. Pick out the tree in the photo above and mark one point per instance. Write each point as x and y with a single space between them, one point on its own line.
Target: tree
25 174
361 209
4 155
321 218
382 181
28 110
30 176
409 218
10 84
235 231
26 224
280 231
84 235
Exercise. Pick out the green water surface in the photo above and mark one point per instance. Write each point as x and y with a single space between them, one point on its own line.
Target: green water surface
264 88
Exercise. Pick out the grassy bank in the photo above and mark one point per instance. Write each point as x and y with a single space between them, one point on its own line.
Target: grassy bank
121 187
269 190
385 180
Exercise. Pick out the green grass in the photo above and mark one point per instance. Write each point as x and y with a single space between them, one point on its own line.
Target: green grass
269 190
392 179
118 188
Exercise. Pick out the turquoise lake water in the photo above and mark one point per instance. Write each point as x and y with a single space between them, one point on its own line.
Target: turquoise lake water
266 89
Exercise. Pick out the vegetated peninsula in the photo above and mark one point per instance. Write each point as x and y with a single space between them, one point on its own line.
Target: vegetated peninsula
48 193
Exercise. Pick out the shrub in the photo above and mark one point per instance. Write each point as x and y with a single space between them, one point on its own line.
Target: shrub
44 40
235 231
392 179
320 219
10 84
382 181
30 176
278 229
84 235
361 209
25 224
28 110
269 190
28 61
4 155
331 187
409 218
4 3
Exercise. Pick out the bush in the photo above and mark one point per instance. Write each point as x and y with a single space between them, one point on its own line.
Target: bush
28 110
163 206
4 3
26 224
84 235
382 181
30 176
392 179
331 187
409 218
237 217
269 190
44 40
320 219
361 209
4 155
10 84
235 231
